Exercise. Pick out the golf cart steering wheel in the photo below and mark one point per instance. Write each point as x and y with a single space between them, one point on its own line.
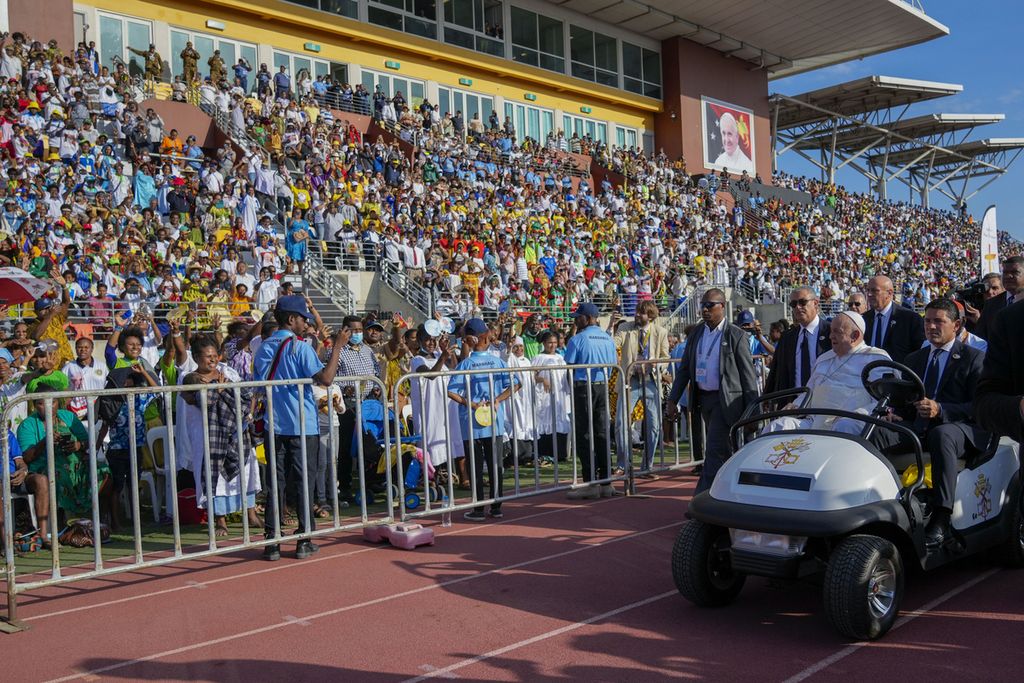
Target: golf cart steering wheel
901 389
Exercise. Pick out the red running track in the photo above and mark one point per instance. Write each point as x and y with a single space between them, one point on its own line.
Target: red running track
556 591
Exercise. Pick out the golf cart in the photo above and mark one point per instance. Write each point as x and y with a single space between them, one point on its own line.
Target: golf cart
791 504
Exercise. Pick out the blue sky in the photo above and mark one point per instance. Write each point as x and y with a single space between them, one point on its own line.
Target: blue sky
983 52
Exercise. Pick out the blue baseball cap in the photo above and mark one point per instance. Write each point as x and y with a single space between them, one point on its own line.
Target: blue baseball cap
293 303
44 303
745 318
476 327
6 355
587 309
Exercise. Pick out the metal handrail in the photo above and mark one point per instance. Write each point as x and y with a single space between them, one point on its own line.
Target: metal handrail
338 291
421 298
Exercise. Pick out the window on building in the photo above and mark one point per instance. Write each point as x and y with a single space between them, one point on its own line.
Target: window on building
117 34
418 17
412 90
625 138
584 127
530 122
537 40
296 64
475 25
594 56
641 70
451 100
345 8
230 51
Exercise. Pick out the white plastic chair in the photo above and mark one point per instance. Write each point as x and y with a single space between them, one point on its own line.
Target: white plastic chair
145 477
154 436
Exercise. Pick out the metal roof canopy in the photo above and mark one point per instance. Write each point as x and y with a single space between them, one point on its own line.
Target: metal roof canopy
934 168
939 157
857 98
867 132
786 37
929 126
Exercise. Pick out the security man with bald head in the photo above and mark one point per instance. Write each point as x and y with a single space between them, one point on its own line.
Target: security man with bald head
898 330
718 370
800 345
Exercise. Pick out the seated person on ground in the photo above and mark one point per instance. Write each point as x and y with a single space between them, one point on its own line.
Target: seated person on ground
25 481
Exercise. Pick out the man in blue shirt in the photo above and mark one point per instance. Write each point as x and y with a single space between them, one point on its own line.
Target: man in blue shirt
283 355
282 84
591 346
481 413
242 71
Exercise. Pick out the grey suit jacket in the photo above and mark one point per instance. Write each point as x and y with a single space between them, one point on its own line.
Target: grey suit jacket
738 380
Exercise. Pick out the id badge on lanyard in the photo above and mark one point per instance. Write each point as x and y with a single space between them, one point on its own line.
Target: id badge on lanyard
702 357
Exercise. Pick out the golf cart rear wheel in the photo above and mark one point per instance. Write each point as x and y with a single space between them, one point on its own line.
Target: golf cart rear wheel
701 566
1010 553
864 587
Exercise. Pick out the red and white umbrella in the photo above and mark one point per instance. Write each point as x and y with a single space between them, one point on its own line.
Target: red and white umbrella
18 287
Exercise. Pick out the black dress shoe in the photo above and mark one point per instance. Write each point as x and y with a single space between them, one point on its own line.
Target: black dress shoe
937 531
271 553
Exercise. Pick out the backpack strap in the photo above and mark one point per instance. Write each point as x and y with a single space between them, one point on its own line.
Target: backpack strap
277 358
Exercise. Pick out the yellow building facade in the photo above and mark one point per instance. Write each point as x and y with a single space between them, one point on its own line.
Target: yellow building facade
586 97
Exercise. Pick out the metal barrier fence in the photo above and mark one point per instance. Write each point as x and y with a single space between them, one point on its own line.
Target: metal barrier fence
522 431
60 437
645 408
546 392
595 426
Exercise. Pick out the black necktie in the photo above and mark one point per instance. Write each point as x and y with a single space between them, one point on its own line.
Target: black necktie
931 375
805 360
876 334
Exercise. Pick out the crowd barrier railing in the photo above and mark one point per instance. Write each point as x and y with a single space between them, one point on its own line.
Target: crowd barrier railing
666 436
545 392
200 411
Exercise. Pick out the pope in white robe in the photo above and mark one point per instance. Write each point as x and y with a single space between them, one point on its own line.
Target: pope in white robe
835 380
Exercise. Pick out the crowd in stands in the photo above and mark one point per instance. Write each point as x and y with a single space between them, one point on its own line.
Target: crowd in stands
158 243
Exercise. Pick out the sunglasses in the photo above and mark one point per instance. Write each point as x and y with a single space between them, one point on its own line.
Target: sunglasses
711 304
854 304
799 302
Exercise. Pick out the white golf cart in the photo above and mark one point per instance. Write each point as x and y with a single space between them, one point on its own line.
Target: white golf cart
792 504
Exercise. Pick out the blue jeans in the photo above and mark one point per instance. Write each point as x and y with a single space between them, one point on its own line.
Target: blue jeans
648 391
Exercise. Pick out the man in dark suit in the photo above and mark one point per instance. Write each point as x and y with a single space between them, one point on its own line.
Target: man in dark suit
944 418
896 329
1000 403
1013 282
800 345
718 370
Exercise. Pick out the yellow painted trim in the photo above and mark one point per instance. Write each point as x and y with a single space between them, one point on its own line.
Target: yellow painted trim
266 11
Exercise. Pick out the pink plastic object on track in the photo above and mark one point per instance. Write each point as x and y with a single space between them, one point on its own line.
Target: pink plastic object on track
404 536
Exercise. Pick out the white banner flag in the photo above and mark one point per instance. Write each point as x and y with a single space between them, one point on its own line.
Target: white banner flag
989 243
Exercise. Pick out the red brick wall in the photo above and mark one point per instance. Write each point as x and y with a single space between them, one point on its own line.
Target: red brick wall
690 71
44 19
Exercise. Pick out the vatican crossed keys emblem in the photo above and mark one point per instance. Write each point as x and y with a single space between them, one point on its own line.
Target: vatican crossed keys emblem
786 452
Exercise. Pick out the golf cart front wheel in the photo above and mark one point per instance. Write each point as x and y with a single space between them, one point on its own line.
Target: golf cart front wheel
701 566
864 587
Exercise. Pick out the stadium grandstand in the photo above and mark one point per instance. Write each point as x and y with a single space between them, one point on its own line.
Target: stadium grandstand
174 168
